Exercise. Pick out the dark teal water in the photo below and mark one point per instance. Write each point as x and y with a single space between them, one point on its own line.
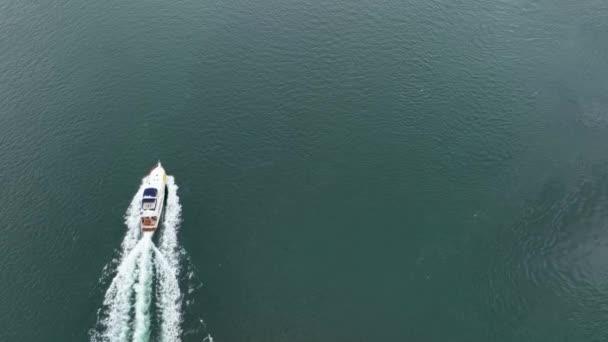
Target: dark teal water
348 171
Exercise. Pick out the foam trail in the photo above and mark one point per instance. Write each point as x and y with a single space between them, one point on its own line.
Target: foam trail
167 267
143 291
168 299
118 297
173 215
132 236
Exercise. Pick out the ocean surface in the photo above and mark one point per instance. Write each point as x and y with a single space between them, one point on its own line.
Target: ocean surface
340 170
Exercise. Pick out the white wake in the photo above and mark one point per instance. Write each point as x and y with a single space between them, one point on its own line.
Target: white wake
145 274
143 292
169 295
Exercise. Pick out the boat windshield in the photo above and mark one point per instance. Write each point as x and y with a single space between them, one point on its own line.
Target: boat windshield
148 203
150 192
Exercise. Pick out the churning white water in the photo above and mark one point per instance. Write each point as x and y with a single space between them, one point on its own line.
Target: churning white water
145 274
167 267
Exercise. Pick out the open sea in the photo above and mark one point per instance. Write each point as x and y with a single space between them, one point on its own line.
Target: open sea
340 171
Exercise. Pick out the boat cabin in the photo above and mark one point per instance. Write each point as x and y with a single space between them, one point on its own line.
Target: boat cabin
150 192
148 202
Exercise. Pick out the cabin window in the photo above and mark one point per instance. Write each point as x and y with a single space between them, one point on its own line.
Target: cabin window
148 204
150 192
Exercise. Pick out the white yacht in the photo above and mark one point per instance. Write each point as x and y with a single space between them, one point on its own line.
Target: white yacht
153 199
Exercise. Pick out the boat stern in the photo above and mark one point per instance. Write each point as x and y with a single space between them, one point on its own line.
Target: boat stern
149 223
